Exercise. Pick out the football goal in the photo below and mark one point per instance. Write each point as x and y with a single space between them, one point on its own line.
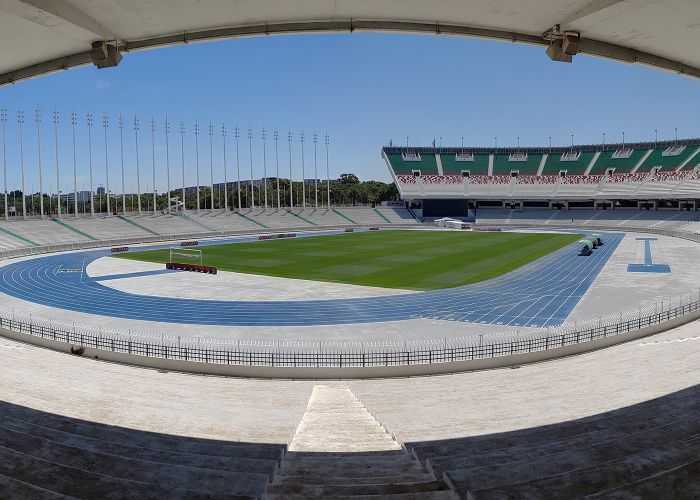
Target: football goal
185 256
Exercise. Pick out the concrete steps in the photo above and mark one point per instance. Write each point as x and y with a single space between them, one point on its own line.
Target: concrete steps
47 456
340 451
597 478
641 450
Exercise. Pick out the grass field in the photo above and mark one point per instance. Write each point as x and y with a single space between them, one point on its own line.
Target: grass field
416 260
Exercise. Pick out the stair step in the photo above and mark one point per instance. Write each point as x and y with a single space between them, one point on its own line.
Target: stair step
76 482
166 475
134 452
339 479
348 470
141 439
302 488
378 459
426 495
14 488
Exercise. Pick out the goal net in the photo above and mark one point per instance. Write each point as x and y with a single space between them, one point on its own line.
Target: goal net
185 256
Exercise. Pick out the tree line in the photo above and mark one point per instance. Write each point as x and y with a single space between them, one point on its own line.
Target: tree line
344 191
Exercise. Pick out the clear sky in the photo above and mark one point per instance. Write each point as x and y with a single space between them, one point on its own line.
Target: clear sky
363 89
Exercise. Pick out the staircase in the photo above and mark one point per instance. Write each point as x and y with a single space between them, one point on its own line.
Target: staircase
339 450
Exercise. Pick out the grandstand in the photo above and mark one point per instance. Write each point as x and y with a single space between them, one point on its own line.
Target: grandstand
640 175
36 232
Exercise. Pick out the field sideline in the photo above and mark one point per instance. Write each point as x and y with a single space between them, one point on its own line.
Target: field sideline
413 260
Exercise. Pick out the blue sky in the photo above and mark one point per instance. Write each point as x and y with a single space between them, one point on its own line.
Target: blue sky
363 89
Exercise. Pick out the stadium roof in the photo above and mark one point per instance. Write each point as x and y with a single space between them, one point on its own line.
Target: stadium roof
42 36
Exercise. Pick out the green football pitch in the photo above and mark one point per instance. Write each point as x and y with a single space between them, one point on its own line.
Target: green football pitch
415 260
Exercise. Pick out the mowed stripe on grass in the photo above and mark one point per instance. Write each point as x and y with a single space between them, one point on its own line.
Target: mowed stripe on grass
414 260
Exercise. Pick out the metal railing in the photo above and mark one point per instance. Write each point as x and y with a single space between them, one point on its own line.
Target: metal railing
352 354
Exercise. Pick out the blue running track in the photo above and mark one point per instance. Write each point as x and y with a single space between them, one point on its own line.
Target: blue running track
542 293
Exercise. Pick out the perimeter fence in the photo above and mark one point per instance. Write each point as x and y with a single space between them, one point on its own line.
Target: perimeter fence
352 354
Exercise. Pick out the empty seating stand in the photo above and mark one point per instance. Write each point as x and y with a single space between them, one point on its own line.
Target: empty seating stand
651 449
44 455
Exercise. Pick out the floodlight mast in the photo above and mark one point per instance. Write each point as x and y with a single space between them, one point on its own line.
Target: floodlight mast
264 139
182 157
328 173
138 170
56 118
120 124
315 172
167 158
92 190
238 168
105 124
74 122
250 150
303 179
20 121
223 139
211 164
291 184
277 164
3 119
196 154
37 118
153 165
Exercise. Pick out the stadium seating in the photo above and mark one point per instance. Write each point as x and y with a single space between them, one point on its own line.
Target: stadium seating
503 164
616 454
622 165
478 165
555 163
43 231
426 163
657 158
38 232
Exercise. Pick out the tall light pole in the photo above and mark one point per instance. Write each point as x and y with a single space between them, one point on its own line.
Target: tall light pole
291 195
328 173
623 140
250 151
167 158
250 156
277 163
211 164
315 171
153 165
196 154
120 124
138 169
676 130
74 122
92 191
238 169
303 176
105 124
264 139
3 119
656 137
58 171
20 121
182 158
37 118
223 139
603 141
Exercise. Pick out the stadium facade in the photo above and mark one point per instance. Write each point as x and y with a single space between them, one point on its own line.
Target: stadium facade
439 182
